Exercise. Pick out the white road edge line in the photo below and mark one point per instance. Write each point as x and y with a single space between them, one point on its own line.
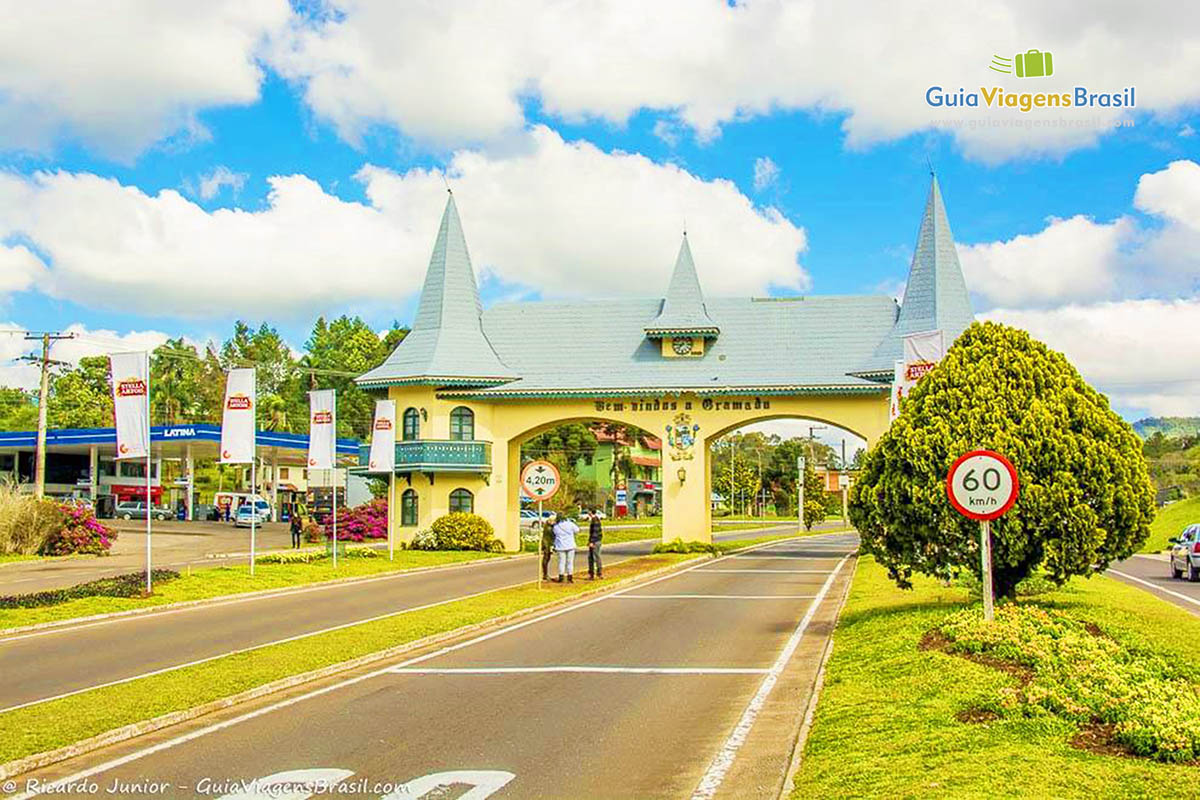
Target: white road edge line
1156 587
229 723
582 669
720 765
716 597
776 571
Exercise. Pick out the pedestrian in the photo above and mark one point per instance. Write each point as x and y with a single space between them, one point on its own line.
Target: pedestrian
595 567
547 544
564 544
297 526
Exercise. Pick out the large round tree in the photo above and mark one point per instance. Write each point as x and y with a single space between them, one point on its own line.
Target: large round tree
1086 498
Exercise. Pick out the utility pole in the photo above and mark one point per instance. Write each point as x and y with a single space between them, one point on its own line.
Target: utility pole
46 337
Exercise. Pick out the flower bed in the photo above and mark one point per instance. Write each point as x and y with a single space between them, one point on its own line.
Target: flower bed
132 584
358 524
1150 705
80 532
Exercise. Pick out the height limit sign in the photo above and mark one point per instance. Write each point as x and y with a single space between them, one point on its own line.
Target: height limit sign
540 480
983 485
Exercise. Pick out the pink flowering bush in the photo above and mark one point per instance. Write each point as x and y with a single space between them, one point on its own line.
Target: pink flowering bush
368 521
80 532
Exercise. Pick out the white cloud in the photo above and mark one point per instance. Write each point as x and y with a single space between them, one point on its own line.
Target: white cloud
766 173
211 184
87 342
1074 259
122 75
565 217
1139 352
1173 193
19 269
459 72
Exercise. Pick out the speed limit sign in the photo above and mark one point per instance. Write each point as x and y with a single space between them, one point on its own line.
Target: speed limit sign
983 485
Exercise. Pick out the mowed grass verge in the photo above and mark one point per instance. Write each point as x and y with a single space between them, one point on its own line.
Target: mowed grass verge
1169 521
57 723
885 724
211 582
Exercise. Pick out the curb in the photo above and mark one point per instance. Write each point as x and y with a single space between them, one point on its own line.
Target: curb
133 730
789 778
255 595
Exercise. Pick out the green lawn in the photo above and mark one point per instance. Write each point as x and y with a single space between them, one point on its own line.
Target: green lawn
1170 521
230 580
9 558
61 722
885 725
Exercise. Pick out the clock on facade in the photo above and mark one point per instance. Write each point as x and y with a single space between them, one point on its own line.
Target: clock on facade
682 347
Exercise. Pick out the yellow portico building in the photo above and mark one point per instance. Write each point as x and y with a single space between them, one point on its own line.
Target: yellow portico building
471 384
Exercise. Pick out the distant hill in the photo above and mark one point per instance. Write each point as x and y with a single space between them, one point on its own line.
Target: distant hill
1170 426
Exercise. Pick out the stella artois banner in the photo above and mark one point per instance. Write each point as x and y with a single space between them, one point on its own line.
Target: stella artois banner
898 389
322 425
131 408
383 437
922 351
237 419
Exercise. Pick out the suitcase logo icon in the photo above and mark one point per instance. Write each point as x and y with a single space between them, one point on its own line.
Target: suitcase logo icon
1030 64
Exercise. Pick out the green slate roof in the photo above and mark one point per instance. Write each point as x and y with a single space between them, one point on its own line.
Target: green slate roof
683 310
935 297
447 345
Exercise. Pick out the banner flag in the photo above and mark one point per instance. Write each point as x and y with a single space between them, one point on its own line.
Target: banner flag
898 390
131 408
322 429
922 351
383 437
237 419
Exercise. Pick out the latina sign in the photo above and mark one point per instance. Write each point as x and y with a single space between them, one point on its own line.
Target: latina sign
540 480
982 485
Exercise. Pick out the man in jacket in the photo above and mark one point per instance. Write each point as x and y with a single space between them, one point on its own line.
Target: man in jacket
547 544
297 528
564 544
595 567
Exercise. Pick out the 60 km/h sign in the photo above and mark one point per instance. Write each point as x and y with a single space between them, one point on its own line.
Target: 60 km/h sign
540 480
983 485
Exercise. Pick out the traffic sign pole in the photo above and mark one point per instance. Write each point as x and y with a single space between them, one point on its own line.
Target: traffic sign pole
985 553
541 539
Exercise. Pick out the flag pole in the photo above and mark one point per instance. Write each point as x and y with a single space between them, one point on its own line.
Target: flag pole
391 509
253 504
334 482
149 586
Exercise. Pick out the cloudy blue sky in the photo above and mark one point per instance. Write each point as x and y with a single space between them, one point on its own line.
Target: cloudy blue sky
169 167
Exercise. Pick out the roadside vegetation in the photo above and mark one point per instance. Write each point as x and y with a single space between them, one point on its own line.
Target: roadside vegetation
1170 521
56 723
32 527
1062 694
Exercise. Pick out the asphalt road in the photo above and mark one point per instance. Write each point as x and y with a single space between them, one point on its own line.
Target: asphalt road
42 665
1153 574
649 692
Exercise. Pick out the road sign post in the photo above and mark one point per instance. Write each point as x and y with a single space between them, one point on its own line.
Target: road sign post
800 489
540 481
983 485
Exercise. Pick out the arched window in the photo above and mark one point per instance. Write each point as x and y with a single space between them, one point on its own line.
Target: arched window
462 424
412 424
462 500
408 507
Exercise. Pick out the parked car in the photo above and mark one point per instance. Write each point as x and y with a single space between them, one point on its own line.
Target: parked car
583 512
260 514
136 509
529 519
1185 553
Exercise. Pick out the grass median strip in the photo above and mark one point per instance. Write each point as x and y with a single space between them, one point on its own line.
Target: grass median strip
71 719
895 719
211 582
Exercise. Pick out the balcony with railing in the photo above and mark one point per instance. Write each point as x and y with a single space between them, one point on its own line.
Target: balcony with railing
438 455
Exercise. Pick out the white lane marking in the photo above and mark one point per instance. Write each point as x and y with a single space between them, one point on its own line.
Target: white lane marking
251 648
581 669
772 571
792 558
720 765
1156 587
483 782
717 596
219 726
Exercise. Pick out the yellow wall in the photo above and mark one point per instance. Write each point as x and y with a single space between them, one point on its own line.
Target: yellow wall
686 510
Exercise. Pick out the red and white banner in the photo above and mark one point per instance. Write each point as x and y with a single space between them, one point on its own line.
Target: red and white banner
383 437
922 352
898 391
131 403
322 428
237 419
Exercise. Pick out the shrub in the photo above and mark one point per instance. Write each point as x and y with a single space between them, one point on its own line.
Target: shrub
25 522
367 521
814 512
79 532
1081 675
313 532
458 531
313 556
680 546
128 585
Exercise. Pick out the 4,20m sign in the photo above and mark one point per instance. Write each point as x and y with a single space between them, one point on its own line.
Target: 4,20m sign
540 480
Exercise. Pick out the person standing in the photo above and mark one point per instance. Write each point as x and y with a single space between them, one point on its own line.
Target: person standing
297 526
547 544
564 545
595 534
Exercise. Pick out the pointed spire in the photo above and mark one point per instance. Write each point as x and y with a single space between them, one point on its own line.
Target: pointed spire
446 344
935 296
683 310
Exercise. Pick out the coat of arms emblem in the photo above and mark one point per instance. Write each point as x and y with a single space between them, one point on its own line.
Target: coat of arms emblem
681 435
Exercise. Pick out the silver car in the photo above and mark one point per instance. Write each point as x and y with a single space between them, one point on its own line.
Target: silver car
1185 553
